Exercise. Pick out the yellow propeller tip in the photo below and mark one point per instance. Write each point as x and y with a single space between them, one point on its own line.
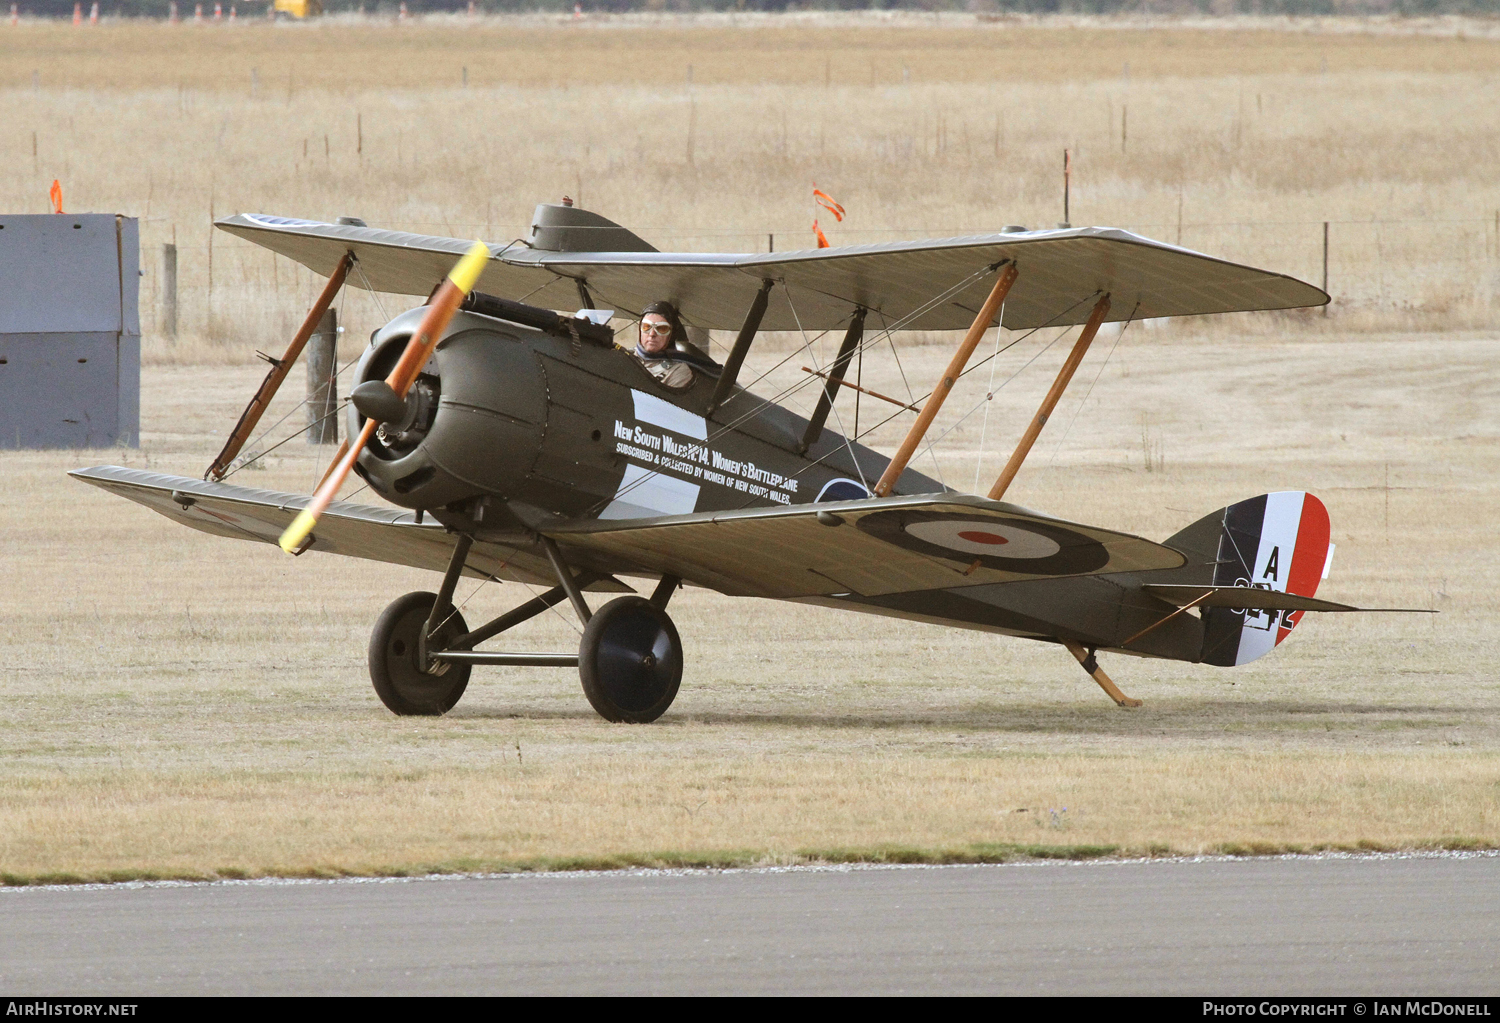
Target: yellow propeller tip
297 532
466 274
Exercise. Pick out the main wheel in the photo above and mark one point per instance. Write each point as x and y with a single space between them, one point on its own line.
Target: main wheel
630 660
399 682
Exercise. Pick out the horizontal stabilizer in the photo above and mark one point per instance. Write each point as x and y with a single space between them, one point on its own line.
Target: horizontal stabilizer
1250 598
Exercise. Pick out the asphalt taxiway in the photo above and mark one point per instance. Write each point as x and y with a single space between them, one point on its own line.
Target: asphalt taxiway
1427 925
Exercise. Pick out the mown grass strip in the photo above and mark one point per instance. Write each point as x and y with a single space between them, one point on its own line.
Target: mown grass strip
983 853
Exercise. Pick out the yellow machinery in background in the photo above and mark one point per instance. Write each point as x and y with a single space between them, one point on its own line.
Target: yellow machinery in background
300 8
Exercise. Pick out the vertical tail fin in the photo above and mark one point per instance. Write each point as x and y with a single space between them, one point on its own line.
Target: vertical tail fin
1275 542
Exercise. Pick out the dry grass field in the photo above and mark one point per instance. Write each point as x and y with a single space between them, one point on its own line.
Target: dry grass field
179 705
708 136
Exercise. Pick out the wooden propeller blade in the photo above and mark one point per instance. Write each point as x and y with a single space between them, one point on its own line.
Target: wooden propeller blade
440 309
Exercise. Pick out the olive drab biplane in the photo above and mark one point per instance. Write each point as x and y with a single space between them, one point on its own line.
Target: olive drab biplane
515 442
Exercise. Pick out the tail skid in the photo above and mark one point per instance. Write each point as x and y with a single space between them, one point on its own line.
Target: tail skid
1090 664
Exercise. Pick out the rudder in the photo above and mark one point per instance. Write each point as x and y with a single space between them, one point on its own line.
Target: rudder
1277 542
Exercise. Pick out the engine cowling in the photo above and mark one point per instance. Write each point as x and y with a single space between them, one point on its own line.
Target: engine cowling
474 418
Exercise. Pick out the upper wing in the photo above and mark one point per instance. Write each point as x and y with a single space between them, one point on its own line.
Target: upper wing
1060 273
870 547
355 530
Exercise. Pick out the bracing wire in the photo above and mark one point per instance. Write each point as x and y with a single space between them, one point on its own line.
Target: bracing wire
965 373
285 440
456 609
255 456
879 337
912 399
784 360
832 406
989 396
485 579
985 400
337 370
532 590
370 290
539 287
999 351
765 403
1108 355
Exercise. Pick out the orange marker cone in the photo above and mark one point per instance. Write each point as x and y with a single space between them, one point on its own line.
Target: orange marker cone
55 194
78 14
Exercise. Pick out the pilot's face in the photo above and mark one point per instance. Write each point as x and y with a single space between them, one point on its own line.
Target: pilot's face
656 333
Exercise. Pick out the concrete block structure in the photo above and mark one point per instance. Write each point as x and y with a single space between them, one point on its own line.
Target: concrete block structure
70 331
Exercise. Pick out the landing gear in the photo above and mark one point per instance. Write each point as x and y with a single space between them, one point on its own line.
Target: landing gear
630 661
397 657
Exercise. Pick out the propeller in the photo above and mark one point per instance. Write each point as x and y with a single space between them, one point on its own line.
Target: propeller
440 310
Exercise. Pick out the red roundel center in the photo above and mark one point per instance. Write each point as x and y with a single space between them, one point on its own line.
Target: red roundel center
978 536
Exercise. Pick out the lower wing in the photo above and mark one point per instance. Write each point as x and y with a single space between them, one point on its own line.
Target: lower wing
868 548
354 530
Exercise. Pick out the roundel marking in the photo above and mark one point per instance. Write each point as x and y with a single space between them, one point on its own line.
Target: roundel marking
984 537
842 490
1003 544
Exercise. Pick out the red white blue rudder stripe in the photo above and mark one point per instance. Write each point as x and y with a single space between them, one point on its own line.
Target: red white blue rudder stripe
1272 542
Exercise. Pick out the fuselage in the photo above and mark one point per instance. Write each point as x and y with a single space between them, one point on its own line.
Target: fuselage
512 420
512 428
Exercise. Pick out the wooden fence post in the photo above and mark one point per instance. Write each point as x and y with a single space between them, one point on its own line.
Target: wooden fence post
322 385
1325 265
169 289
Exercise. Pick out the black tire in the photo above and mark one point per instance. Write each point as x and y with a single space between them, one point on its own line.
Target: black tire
630 661
400 684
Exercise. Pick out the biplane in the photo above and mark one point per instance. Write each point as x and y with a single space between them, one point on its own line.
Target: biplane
514 442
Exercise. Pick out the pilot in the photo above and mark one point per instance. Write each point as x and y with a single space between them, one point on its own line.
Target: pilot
665 351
